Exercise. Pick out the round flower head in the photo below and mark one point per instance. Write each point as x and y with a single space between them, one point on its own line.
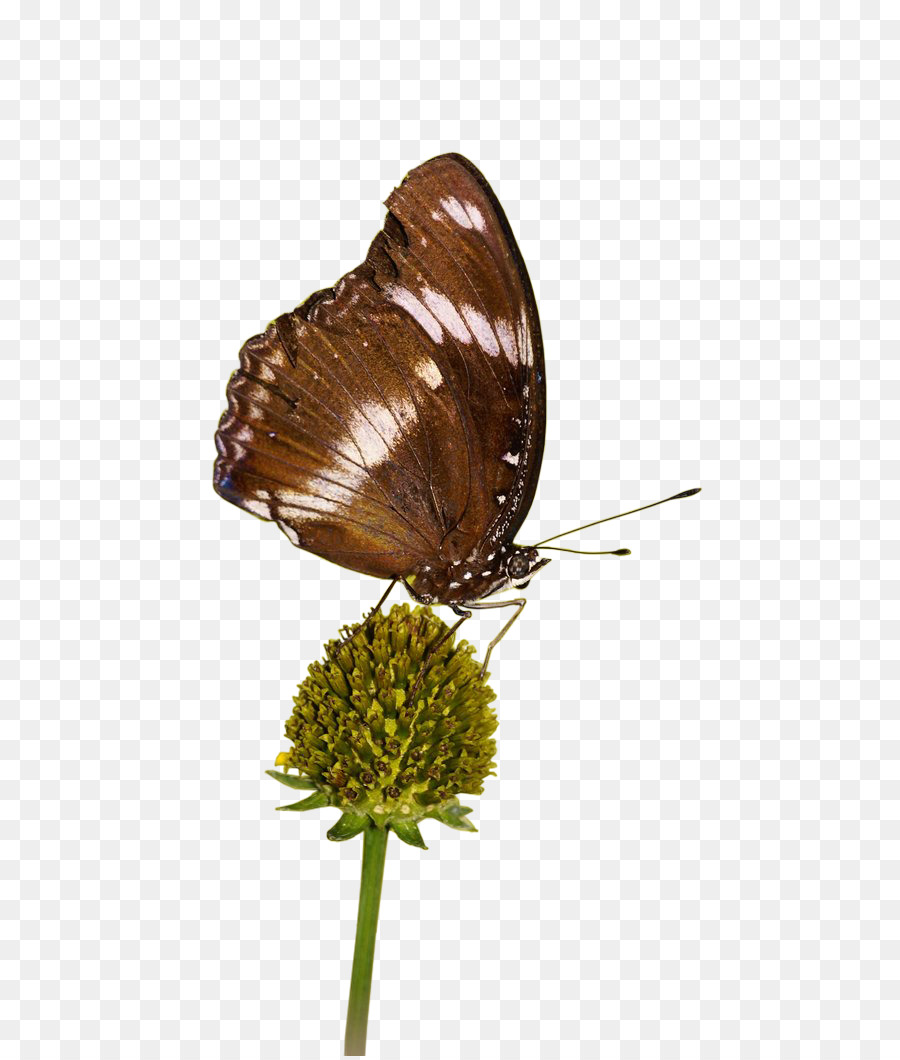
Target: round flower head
392 727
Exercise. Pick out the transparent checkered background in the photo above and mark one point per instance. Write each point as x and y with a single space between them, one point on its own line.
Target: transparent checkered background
685 853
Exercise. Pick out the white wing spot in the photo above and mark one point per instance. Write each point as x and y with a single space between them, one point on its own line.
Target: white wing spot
374 429
258 508
511 458
481 329
508 341
290 533
476 216
428 372
323 498
524 339
445 311
457 211
404 298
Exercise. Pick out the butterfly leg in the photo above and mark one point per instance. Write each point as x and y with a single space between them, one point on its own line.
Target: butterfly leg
457 610
368 618
426 662
519 603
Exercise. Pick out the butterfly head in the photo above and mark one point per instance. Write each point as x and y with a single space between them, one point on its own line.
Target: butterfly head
522 564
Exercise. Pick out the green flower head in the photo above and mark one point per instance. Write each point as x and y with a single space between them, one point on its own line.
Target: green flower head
392 727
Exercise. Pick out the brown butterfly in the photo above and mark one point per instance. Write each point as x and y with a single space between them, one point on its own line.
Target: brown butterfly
394 424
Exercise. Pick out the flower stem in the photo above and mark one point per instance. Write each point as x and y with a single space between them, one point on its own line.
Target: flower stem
374 848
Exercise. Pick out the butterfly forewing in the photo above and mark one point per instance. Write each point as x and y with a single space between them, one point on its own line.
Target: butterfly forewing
397 420
464 276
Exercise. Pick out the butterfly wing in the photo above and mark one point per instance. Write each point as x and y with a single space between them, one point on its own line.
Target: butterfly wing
462 265
330 430
389 418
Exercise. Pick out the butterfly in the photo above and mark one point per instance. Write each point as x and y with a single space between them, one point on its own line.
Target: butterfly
394 423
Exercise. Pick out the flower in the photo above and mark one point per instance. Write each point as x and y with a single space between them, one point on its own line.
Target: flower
392 727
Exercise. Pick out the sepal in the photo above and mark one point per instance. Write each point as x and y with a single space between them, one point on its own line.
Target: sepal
347 826
290 781
315 802
454 816
409 832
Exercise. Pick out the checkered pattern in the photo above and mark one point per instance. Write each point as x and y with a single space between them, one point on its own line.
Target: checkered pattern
684 854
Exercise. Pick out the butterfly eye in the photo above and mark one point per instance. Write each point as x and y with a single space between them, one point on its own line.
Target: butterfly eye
518 566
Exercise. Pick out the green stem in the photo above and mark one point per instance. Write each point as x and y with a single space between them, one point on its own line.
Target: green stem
374 847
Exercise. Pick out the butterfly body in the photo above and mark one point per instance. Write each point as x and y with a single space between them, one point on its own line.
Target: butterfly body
476 577
394 423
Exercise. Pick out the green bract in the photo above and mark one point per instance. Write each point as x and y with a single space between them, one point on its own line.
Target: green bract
385 739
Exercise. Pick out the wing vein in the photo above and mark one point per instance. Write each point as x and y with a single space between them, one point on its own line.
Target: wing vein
488 316
413 329
385 346
299 386
322 333
318 511
387 503
387 404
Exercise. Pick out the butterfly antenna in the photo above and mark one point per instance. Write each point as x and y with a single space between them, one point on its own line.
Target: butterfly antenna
578 551
608 519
